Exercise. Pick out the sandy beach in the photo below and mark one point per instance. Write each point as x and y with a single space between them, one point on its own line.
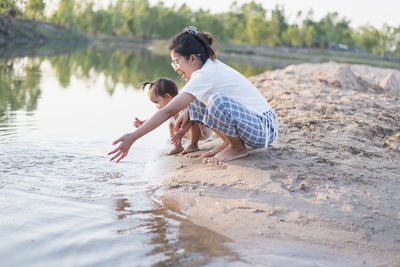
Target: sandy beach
328 191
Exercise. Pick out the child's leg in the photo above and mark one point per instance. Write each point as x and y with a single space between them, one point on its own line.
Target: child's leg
196 112
178 146
194 133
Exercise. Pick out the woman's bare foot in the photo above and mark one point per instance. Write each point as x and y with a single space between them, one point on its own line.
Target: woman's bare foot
175 150
216 150
190 148
228 154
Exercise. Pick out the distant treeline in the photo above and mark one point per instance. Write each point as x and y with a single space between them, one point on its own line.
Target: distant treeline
249 23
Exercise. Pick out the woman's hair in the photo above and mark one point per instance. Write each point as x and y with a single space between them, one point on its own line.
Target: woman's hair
190 41
161 87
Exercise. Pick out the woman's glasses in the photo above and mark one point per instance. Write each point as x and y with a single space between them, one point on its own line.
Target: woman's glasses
176 62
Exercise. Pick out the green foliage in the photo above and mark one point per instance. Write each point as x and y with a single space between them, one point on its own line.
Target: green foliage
309 36
35 9
256 25
249 23
292 36
330 29
386 38
10 7
383 41
277 25
396 32
6 4
367 38
65 14
118 66
19 91
206 21
94 22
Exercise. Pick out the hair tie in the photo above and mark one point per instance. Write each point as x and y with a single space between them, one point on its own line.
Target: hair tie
191 29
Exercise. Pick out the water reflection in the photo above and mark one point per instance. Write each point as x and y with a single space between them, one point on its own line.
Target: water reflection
19 87
129 67
179 241
20 79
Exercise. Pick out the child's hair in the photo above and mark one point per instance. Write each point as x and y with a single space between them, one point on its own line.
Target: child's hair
161 87
190 41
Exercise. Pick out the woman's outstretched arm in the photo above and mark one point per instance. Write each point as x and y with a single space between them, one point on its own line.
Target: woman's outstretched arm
125 142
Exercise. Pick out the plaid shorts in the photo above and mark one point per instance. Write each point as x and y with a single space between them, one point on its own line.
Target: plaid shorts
231 118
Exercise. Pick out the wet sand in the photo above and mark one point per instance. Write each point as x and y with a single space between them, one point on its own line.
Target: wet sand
328 191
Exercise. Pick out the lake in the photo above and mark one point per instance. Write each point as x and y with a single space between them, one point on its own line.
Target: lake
62 203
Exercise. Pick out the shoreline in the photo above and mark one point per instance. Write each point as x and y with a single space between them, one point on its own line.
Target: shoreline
327 191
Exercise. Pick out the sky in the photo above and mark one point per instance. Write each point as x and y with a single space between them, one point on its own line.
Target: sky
360 12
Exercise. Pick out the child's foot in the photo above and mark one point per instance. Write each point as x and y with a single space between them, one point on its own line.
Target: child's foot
175 150
216 150
190 148
228 154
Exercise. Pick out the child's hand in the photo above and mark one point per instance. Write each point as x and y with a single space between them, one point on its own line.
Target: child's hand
137 123
181 121
177 137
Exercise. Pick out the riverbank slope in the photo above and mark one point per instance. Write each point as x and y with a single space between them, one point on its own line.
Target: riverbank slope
328 191
24 37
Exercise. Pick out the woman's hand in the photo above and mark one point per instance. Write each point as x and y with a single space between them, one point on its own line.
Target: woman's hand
122 150
181 121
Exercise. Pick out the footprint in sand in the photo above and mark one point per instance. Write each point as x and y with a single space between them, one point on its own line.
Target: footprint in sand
193 156
265 167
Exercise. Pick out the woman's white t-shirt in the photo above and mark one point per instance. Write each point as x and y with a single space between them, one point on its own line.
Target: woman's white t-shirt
217 77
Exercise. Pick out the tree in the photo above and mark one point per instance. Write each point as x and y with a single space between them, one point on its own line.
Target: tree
117 17
233 22
206 21
169 21
367 37
9 7
331 31
277 25
255 18
396 41
84 19
292 36
386 39
246 23
141 18
6 4
65 13
35 9
309 35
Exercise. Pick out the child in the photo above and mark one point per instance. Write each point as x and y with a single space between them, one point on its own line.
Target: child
217 96
161 92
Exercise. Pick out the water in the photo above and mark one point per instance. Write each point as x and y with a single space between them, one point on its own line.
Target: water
62 203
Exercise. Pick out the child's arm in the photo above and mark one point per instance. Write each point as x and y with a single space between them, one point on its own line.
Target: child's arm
177 136
137 123
125 142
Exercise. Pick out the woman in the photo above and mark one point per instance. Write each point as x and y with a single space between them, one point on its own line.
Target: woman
217 96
